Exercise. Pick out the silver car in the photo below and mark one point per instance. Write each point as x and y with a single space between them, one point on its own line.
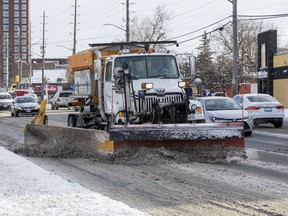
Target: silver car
263 108
24 105
61 99
221 109
5 100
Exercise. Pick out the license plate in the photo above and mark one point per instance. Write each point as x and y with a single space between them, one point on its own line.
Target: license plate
191 117
28 111
268 109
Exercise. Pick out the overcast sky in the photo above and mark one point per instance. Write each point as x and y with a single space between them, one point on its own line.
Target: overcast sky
187 16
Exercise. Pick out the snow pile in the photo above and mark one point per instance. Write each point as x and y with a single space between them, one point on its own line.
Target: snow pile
26 189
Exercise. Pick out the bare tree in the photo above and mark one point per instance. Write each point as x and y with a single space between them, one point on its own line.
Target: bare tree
152 29
223 73
247 34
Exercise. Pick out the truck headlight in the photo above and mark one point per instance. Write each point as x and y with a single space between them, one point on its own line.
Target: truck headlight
146 85
183 84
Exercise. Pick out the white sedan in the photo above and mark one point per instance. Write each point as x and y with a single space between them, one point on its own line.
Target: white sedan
263 108
221 109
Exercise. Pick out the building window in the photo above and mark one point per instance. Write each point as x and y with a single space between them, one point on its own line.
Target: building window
5 7
24 7
24 21
16 13
24 34
24 56
16 1
16 41
16 49
24 49
16 7
16 35
5 21
5 1
5 27
24 28
16 57
24 42
16 28
16 20
24 1
5 14
24 13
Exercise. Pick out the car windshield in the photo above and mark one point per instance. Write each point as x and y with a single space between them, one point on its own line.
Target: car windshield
25 100
221 104
4 96
261 98
65 94
143 67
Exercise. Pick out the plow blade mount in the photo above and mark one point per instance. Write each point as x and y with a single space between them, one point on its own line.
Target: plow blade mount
56 141
215 140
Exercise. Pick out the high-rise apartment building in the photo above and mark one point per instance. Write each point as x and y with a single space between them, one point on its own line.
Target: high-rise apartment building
14 41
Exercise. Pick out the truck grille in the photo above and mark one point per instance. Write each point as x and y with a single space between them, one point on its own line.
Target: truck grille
146 103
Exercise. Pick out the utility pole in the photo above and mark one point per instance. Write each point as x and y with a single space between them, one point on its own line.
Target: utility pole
235 50
75 27
127 22
7 61
43 58
19 59
30 57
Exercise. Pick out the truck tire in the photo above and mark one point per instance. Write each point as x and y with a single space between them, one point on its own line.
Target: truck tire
71 121
108 126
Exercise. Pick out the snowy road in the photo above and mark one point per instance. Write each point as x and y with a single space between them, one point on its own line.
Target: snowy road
157 186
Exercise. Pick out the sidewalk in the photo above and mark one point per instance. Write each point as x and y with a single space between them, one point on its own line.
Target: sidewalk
27 189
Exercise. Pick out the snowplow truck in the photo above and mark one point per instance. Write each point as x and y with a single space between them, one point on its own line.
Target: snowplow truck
132 95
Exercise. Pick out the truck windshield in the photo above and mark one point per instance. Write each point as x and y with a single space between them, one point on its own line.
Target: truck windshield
145 67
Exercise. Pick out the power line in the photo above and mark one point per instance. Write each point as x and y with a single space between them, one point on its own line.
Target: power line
200 28
205 33
262 17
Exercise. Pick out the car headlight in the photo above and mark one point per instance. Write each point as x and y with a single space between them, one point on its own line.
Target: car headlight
212 119
17 107
248 118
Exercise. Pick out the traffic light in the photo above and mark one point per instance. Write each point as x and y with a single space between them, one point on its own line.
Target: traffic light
17 78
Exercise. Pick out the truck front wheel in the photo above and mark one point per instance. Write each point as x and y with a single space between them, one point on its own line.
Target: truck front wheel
71 121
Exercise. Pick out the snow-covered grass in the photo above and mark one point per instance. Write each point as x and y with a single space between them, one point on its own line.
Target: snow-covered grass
27 189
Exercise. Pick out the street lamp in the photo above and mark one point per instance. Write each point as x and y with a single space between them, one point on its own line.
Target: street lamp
125 30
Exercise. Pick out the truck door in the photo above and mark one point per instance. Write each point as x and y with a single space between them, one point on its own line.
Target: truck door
107 87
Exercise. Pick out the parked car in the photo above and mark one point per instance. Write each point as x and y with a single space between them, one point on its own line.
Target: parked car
5 100
24 105
221 109
263 108
61 99
220 94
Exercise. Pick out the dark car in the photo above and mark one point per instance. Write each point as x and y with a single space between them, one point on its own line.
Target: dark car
24 105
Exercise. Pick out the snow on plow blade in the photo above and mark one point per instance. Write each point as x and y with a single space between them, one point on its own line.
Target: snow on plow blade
203 140
56 141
